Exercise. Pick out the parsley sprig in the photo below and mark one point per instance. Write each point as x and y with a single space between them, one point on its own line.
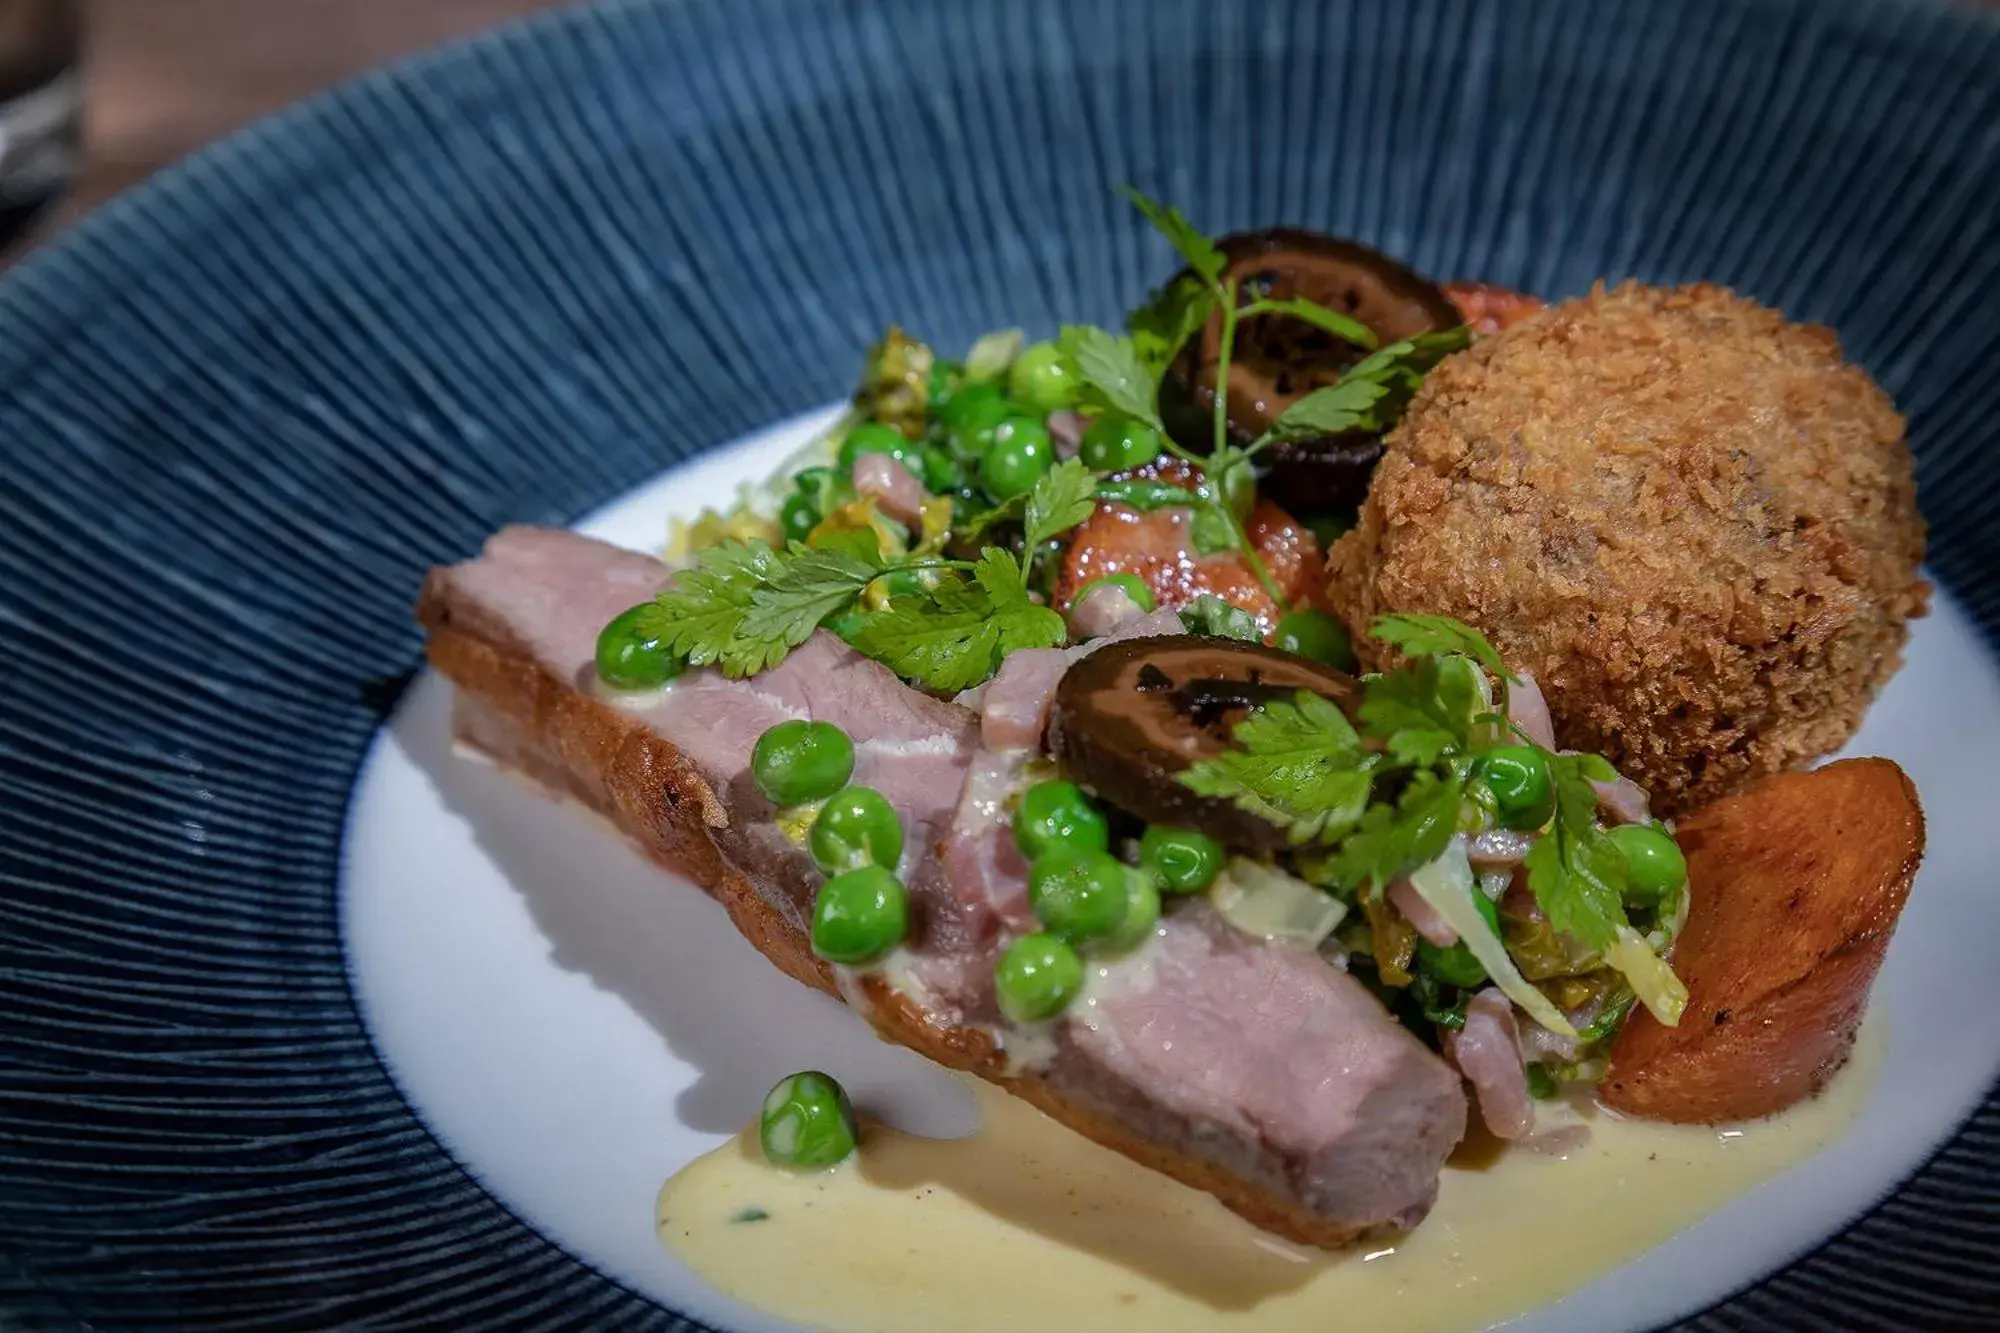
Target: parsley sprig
744 606
1376 801
1122 374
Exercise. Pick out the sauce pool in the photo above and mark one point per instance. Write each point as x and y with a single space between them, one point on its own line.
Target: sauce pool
1025 1221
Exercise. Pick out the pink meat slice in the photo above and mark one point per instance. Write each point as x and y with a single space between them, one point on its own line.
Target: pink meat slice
1264 1060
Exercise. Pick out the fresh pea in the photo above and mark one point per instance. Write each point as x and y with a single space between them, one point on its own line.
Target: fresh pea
1182 860
1518 777
1134 586
859 915
1078 894
1654 866
1057 814
1117 443
1456 965
872 437
1317 635
970 415
630 659
941 473
1020 453
798 761
856 827
945 377
1037 978
807 1123
798 516
1142 912
1042 377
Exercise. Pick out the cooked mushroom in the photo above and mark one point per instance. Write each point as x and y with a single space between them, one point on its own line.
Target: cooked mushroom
1134 715
1278 360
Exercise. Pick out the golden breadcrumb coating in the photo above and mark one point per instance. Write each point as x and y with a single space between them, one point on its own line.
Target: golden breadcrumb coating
1694 522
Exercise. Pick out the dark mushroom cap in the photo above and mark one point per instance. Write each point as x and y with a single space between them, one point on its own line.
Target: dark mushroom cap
1133 716
1277 361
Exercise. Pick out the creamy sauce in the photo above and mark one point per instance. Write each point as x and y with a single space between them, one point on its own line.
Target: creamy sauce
1025 1224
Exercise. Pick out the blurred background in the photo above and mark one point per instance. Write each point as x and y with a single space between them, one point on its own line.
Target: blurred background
155 79
159 78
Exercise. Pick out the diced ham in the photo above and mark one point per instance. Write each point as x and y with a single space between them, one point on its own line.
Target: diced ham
1424 918
894 487
1066 432
1528 710
1624 800
1102 611
1498 848
1488 1052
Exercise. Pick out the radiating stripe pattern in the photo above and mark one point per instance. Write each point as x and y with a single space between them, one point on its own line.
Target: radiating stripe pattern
246 407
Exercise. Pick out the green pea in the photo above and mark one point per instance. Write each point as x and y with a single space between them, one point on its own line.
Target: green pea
872 437
1543 1085
859 915
902 582
1456 965
1182 860
970 415
856 827
1058 814
807 1123
1518 776
1077 893
1020 453
1654 866
1134 586
1037 978
1114 443
798 516
629 659
799 761
1142 912
945 377
941 473
1043 378
1317 635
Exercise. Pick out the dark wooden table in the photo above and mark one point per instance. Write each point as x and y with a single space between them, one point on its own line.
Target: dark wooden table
163 77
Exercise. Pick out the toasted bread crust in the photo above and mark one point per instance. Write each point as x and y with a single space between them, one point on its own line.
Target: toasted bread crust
1797 886
581 746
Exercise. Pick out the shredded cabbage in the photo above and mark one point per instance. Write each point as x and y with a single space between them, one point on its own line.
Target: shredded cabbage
1447 884
1266 902
1651 979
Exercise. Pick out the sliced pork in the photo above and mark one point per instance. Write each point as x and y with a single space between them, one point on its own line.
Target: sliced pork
1259 1072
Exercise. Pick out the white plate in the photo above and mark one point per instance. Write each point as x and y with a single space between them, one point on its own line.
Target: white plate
575 1025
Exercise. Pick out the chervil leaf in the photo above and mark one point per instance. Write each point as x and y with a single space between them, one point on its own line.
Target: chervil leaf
700 615
1425 710
1298 764
1575 871
1345 327
1334 410
1018 621
954 636
1214 618
1393 840
1148 495
1403 365
1424 635
1172 315
945 641
1197 249
1114 377
812 585
1061 499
